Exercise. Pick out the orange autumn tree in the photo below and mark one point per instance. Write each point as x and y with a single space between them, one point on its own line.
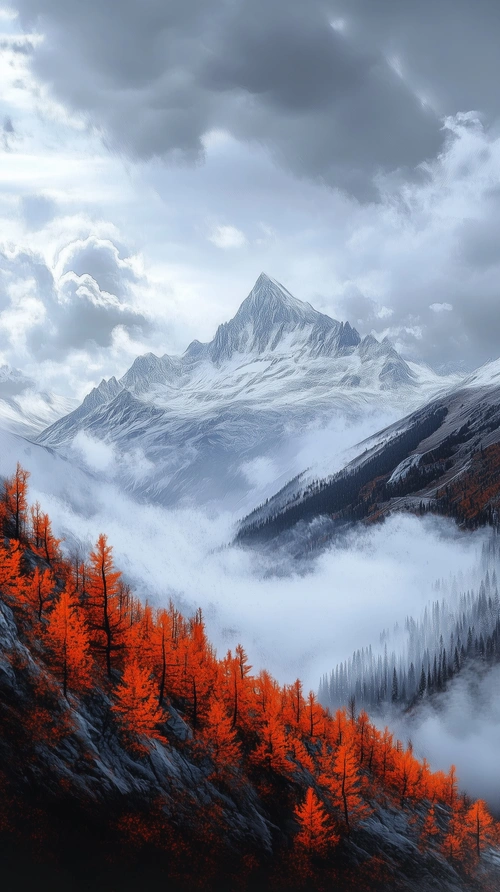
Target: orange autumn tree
36 525
453 842
313 715
430 829
38 590
236 686
68 640
480 828
315 835
199 670
136 703
10 568
343 779
405 775
103 602
162 636
49 545
272 750
220 737
16 501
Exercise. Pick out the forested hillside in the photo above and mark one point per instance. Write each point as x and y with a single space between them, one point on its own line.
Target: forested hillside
459 631
443 459
130 751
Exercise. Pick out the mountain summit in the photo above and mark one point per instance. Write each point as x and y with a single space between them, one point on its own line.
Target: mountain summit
271 319
270 300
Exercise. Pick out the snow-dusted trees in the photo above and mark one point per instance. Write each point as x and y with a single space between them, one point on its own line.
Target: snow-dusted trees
428 653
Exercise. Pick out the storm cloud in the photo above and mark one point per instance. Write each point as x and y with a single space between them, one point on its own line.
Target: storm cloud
155 78
350 149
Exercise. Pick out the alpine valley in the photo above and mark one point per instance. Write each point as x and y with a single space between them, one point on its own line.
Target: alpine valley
133 750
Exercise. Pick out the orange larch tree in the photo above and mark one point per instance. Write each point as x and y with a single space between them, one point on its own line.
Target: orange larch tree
140 637
10 568
162 635
362 736
38 590
136 702
316 834
16 501
265 694
451 787
237 685
272 750
405 775
68 640
36 534
102 590
453 846
199 670
480 828
313 715
220 737
294 704
49 547
430 830
343 779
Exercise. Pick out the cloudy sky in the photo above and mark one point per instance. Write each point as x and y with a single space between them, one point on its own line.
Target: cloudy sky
155 157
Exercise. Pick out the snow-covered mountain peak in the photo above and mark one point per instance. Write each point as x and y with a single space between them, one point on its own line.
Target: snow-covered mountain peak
271 320
278 368
269 301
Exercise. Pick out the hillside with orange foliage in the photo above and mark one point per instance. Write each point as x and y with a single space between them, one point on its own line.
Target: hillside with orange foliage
131 752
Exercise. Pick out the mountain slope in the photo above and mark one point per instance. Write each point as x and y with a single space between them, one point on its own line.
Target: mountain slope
24 408
445 457
277 369
157 759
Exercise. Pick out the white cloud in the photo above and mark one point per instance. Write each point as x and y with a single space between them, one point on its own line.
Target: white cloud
463 729
227 237
441 308
96 454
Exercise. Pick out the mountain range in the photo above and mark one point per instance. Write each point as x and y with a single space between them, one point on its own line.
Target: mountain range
26 409
201 424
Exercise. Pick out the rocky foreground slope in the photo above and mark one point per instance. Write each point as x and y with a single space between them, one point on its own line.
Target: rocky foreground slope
131 753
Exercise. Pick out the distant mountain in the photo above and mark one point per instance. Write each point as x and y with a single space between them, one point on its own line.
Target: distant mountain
444 458
275 370
24 408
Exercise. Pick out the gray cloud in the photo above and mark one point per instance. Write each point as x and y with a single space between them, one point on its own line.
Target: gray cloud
74 310
100 259
448 51
37 210
157 77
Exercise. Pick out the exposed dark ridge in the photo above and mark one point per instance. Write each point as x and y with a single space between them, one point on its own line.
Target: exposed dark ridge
343 491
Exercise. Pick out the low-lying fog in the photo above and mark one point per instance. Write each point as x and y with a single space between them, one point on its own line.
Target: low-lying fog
298 622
